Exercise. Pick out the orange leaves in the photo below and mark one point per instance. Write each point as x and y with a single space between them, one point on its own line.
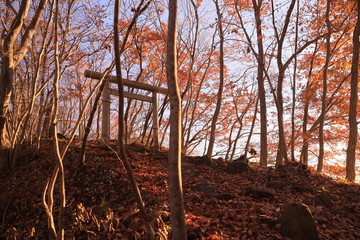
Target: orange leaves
213 237
101 205
196 220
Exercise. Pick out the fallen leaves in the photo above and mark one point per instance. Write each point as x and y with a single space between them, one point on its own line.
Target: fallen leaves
218 205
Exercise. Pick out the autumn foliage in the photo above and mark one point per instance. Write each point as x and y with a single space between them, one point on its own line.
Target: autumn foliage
280 78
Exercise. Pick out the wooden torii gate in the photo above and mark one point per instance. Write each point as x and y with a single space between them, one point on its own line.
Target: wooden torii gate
105 129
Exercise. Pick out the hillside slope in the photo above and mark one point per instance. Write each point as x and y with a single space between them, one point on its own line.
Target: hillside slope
219 205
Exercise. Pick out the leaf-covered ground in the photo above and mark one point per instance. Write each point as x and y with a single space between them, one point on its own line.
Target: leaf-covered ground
219 205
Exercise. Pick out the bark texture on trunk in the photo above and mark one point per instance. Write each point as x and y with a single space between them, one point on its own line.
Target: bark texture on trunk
174 163
10 58
324 93
351 150
221 86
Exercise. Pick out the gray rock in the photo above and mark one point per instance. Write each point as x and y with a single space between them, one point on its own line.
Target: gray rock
297 223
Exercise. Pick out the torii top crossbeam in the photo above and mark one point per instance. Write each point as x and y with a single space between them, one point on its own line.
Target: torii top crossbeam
126 82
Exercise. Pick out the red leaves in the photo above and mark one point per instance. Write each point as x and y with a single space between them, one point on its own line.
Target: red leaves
101 205
213 237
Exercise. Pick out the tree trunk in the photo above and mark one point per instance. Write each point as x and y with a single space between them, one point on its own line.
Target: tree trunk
252 129
7 69
221 86
176 201
351 150
11 57
306 134
118 51
282 152
57 154
6 83
260 78
193 115
294 85
5 93
324 93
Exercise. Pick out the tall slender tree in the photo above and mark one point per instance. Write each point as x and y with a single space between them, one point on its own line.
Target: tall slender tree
280 39
304 157
261 87
118 51
221 83
177 216
351 150
61 227
324 89
260 57
294 83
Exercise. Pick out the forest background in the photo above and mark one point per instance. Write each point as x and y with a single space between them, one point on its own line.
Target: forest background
270 75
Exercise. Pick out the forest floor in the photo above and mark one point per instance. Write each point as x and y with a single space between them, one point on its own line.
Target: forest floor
219 205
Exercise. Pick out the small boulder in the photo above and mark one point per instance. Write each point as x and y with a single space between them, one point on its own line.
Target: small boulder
297 223
237 167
